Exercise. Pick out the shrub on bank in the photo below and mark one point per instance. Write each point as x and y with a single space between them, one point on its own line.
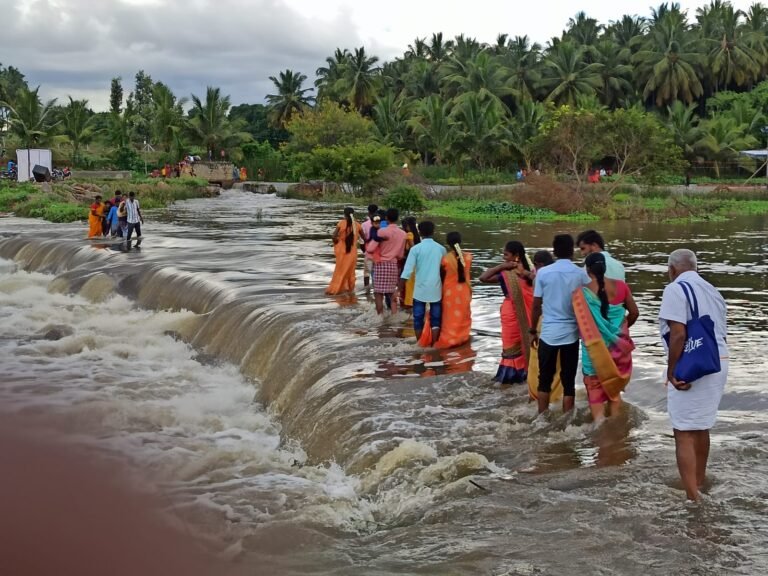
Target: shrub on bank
405 198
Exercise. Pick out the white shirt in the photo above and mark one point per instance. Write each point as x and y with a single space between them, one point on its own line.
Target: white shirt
132 211
613 268
675 308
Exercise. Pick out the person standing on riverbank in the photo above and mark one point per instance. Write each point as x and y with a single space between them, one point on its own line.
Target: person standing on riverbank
391 251
424 261
346 237
559 336
692 406
591 242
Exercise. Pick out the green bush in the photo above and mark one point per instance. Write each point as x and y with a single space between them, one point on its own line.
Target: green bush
405 198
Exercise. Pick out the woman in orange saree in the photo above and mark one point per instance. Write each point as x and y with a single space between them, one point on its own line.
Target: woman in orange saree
345 240
515 277
457 298
95 218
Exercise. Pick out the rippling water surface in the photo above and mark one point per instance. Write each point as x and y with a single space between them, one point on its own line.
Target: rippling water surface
299 434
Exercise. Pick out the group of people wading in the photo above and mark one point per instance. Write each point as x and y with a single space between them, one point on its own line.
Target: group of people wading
551 309
115 218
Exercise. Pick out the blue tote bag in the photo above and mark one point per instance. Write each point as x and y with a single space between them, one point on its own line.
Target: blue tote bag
701 355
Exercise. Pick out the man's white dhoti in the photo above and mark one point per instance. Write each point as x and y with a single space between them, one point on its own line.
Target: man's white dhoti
696 409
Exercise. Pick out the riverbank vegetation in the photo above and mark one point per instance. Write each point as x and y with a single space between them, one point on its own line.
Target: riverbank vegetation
69 201
650 101
456 110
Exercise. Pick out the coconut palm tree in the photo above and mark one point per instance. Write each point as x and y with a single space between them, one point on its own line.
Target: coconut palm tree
683 122
616 72
583 30
756 31
722 138
669 62
390 117
361 79
418 49
422 80
625 31
77 125
566 74
478 128
438 49
209 125
524 127
291 97
432 127
168 119
522 60
30 119
732 61
330 76
481 75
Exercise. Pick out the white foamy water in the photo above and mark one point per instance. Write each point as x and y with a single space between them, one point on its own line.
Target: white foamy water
119 381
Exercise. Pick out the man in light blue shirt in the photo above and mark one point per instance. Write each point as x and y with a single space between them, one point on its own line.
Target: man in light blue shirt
559 336
424 260
591 241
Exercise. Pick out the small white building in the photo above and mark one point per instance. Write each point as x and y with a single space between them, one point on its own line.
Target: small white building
28 159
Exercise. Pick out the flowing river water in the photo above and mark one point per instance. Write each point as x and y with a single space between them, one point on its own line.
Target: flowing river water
296 433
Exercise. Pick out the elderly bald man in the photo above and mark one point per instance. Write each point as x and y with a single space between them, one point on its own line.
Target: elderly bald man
692 406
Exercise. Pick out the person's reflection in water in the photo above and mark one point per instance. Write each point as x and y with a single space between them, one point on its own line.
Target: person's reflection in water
614 447
431 363
348 299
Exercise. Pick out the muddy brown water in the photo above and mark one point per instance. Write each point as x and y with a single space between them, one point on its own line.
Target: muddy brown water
294 433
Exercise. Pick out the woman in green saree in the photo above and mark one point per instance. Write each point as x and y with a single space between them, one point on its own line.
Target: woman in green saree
605 310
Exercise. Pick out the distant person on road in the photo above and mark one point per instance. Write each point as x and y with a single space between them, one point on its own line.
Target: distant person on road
559 338
95 216
692 406
346 236
515 277
590 242
424 260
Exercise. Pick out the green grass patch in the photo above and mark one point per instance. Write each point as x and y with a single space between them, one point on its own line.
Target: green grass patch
60 203
478 209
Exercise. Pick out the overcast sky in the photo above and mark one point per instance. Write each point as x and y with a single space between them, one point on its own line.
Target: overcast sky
74 47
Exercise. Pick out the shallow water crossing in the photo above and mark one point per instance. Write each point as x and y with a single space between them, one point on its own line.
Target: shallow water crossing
300 434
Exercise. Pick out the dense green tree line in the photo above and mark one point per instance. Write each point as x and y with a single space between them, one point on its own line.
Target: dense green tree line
151 119
696 80
466 103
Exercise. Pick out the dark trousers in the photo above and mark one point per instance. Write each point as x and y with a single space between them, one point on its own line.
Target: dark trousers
569 363
131 228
